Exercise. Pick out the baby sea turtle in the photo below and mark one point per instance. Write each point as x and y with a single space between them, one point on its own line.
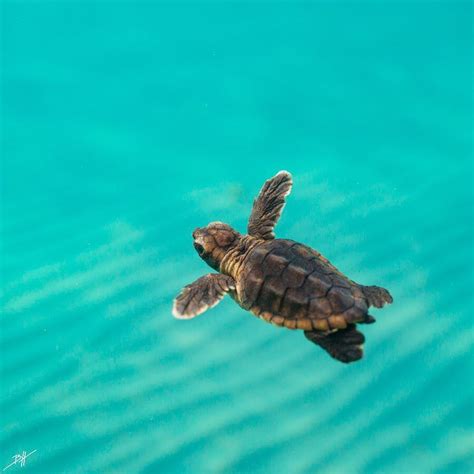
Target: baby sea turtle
280 281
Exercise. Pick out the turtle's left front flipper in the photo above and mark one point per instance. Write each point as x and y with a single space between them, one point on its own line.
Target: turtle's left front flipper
345 345
201 295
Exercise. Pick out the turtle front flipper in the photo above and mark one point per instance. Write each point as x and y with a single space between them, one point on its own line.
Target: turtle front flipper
202 294
344 345
268 205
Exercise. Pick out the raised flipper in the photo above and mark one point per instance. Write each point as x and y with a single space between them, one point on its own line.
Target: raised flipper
376 296
345 345
268 205
202 294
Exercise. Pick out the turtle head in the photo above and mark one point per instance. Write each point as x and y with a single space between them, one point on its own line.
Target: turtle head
214 241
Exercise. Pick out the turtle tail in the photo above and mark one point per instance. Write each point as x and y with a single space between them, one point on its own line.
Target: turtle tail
376 296
345 345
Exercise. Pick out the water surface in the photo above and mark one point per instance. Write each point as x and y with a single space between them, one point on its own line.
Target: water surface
125 126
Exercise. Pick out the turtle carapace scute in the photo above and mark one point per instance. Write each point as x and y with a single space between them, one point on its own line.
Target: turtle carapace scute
281 281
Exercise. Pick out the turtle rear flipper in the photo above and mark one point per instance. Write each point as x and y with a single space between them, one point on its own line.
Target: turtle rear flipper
345 345
376 296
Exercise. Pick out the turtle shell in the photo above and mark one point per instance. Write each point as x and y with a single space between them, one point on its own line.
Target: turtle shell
292 285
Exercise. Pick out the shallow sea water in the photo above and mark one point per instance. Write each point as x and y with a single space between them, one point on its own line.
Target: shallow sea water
126 125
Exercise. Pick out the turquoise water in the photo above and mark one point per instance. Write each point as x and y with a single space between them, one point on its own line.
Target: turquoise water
125 126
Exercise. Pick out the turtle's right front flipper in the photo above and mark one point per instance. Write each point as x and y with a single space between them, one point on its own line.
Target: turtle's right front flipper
345 345
201 295
268 205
